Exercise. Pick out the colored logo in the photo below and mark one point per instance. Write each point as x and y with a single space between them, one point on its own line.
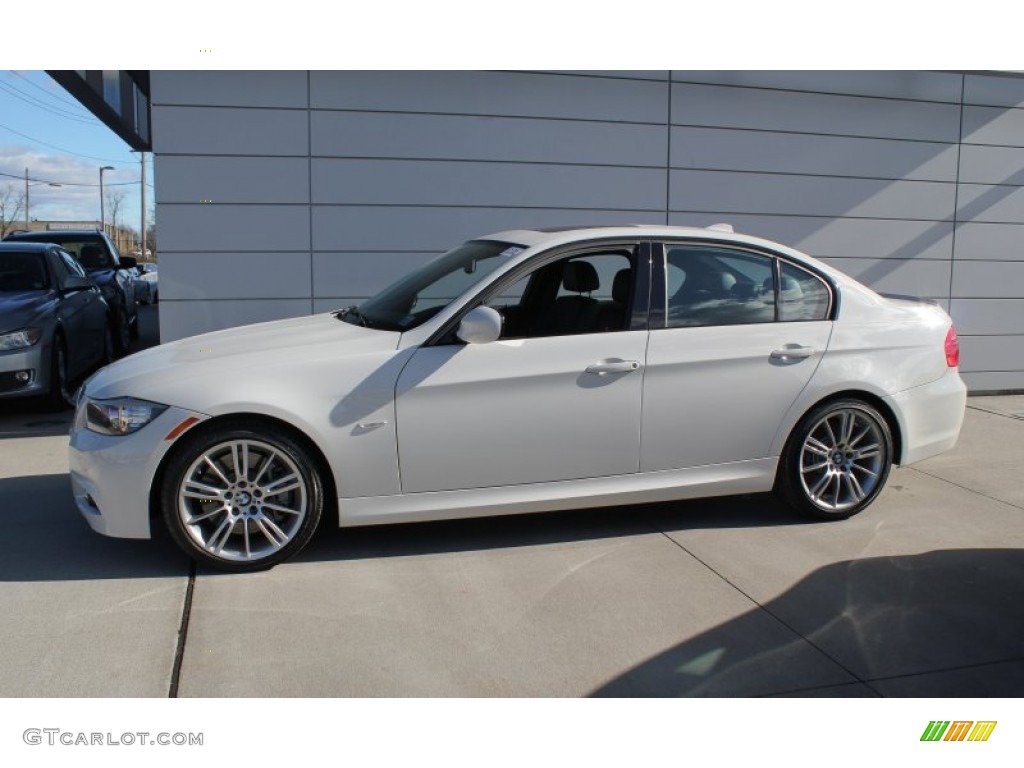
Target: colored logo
958 730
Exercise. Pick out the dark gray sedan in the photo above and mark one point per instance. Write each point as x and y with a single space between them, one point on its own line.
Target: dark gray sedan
54 322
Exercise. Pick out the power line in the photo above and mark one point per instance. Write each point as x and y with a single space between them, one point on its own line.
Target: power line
31 100
34 84
72 183
66 151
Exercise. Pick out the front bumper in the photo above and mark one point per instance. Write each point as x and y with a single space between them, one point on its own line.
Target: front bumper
34 359
111 476
930 416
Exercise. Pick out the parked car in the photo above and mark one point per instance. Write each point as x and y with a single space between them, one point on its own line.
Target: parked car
102 262
53 323
143 293
150 275
528 370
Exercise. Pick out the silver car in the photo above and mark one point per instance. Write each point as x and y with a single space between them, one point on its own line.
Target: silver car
54 323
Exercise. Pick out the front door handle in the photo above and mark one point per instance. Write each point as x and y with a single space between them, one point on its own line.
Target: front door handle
613 366
792 352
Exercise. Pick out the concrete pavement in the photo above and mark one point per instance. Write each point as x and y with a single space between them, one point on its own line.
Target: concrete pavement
921 595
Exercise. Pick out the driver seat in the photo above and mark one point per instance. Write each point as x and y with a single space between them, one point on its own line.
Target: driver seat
570 315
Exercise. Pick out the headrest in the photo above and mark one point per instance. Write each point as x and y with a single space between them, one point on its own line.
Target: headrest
580 277
91 256
621 286
791 290
714 282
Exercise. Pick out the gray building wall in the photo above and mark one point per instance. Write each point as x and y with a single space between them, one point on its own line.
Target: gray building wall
285 193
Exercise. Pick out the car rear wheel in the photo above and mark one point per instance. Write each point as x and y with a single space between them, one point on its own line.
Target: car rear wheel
836 461
241 498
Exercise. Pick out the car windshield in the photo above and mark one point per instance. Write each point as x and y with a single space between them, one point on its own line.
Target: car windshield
422 294
22 272
88 250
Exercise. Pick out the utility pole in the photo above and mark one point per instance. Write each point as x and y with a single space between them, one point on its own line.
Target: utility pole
142 159
39 184
103 211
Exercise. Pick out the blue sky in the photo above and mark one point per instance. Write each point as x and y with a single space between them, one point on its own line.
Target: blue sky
44 129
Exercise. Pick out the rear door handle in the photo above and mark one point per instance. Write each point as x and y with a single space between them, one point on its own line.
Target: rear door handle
792 352
613 366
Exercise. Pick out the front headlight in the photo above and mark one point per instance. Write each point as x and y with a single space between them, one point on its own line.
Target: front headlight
119 416
26 337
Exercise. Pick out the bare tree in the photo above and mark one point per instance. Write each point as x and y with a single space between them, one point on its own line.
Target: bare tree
115 203
151 231
12 204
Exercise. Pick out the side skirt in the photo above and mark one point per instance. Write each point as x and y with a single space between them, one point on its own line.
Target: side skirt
755 476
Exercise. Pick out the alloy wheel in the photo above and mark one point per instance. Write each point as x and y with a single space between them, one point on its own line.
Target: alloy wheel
843 460
62 395
242 501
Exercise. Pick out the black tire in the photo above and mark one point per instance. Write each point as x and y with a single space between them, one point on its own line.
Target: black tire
107 355
841 481
60 395
122 332
238 528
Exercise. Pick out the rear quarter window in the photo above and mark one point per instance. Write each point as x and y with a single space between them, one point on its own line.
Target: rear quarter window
802 295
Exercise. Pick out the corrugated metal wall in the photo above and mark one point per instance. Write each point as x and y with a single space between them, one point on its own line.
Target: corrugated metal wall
282 193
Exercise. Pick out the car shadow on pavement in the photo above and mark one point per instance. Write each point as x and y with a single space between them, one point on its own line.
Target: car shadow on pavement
942 623
29 419
507 531
46 539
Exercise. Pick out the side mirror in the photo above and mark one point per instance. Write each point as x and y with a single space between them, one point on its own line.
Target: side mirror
73 284
128 262
480 326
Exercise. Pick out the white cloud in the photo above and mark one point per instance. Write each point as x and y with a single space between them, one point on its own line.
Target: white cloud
68 202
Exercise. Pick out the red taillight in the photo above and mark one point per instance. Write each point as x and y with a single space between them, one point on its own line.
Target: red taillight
952 348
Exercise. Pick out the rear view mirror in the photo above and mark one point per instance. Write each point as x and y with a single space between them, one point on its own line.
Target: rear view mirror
481 326
127 262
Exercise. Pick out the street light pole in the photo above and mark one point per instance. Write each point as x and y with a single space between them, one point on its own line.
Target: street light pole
103 210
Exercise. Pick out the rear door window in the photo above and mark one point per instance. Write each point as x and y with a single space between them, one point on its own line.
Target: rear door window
713 285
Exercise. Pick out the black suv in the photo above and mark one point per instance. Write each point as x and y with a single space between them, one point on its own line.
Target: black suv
108 268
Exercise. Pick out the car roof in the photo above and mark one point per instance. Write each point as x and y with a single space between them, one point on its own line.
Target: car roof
560 234
10 245
42 236
548 237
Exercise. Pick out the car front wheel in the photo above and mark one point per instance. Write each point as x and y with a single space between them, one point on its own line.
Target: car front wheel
60 396
241 498
837 460
107 354
122 332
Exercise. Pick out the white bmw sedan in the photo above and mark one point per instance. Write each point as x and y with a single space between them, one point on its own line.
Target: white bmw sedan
524 371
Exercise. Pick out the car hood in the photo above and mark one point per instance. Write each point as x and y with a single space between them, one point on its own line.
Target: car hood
175 373
21 308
